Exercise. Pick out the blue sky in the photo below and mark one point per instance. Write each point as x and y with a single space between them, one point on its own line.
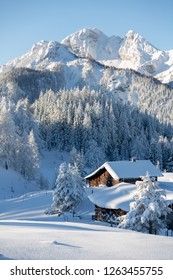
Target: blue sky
25 22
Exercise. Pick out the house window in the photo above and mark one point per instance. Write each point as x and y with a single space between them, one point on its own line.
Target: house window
109 183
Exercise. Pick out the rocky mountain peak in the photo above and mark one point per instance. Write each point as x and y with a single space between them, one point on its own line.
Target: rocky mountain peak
131 52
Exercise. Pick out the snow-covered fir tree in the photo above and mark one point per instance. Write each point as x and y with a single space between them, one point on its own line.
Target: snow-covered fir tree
8 136
95 155
27 159
149 210
34 152
77 161
68 188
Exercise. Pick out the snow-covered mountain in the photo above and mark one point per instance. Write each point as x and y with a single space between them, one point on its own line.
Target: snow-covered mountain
43 55
84 59
131 52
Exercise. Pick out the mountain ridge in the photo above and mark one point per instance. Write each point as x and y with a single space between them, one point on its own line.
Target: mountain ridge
131 52
55 66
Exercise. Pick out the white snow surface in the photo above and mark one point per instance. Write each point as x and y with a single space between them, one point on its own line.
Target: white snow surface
118 196
26 232
12 184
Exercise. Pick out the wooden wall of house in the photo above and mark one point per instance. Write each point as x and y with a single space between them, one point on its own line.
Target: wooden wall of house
103 178
170 218
133 180
130 180
103 214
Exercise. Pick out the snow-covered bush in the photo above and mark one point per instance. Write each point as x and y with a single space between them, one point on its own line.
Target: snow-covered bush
68 188
148 212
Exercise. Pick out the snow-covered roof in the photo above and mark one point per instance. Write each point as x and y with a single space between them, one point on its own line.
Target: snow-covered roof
118 196
128 169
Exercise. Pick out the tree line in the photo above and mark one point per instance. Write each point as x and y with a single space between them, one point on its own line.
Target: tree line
101 128
96 124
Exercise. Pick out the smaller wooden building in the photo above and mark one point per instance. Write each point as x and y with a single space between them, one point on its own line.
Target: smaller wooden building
114 182
111 202
106 215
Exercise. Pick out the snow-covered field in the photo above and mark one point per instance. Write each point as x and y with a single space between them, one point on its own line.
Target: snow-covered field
26 232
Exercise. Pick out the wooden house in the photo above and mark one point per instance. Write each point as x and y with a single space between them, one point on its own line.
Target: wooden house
115 172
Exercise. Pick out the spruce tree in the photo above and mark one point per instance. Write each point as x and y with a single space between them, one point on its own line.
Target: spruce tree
69 190
148 212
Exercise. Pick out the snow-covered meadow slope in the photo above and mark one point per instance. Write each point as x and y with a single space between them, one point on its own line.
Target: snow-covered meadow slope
26 232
